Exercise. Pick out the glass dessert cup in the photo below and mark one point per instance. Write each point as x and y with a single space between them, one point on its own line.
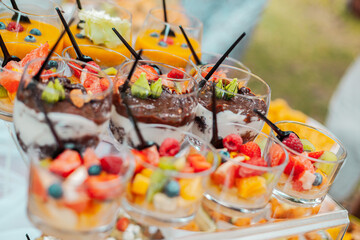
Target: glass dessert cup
167 58
44 26
150 36
10 76
77 102
174 106
212 58
249 170
104 57
166 190
95 23
77 196
232 105
309 175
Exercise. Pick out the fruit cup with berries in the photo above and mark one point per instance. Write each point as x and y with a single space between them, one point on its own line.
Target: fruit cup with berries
157 93
311 170
76 194
77 101
251 164
169 178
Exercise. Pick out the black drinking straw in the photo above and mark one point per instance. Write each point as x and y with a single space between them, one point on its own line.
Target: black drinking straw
27 236
197 60
78 3
166 31
281 135
7 56
127 45
215 140
220 61
23 18
128 110
79 55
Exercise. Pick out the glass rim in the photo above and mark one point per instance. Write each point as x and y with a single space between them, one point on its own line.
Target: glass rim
251 75
65 50
22 13
175 26
261 168
194 92
172 173
66 61
113 5
219 55
321 130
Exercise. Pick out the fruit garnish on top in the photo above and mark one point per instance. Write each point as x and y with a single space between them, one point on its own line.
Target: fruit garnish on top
97 26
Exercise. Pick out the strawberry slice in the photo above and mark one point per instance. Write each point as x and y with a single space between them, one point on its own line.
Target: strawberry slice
152 155
198 162
79 203
151 73
104 84
76 69
36 184
277 155
176 74
297 166
250 149
103 187
10 80
169 147
95 67
315 154
111 164
139 159
122 224
249 172
90 158
65 163
225 174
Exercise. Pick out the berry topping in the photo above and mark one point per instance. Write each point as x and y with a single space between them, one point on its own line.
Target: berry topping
176 73
172 189
79 35
2 25
293 142
250 149
94 68
65 163
111 164
168 40
94 170
122 224
249 172
162 44
14 27
35 32
169 147
315 154
184 45
30 38
51 64
154 34
232 142
318 179
55 190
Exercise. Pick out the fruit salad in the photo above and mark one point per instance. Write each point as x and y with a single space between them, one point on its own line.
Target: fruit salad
77 102
310 171
249 169
10 76
158 93
237 91
78 192
169 177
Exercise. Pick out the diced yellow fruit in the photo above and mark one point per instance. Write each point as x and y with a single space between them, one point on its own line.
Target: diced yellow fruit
110 71
251 186
45 163
191 189
140 184
233 154
180 163
269 177
147 172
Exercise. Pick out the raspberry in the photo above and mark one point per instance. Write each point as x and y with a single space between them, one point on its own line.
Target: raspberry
91 69
76 68
169 147
232 142
176 73
248 172
14 27
250 149
111 164
315 154
293 142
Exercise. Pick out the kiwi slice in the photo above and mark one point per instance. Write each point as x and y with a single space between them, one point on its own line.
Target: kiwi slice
308 146
327 168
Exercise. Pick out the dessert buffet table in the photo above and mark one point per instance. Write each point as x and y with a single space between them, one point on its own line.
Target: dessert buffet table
330 223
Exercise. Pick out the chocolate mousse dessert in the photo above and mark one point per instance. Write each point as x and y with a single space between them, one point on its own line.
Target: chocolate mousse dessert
155 97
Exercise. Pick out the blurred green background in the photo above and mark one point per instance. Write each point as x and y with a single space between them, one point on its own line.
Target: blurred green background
302 48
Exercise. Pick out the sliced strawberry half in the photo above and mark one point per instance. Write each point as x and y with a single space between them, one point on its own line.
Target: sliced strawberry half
250 172
176 74
90 158
111 164
298 165
276 155
65 163
151 73
152 155
103 187
225 174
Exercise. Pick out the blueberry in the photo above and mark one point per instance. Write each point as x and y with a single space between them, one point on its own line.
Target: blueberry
172 189
154 34
94 170
184 45
30 38
225 153
79 35
318 180
2 25
35 31
52 64
55 191
162 44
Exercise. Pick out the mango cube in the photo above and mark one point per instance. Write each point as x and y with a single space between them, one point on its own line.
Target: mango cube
140 184
251 186
191 189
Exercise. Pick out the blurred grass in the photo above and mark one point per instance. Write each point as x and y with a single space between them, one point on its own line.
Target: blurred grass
302 48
